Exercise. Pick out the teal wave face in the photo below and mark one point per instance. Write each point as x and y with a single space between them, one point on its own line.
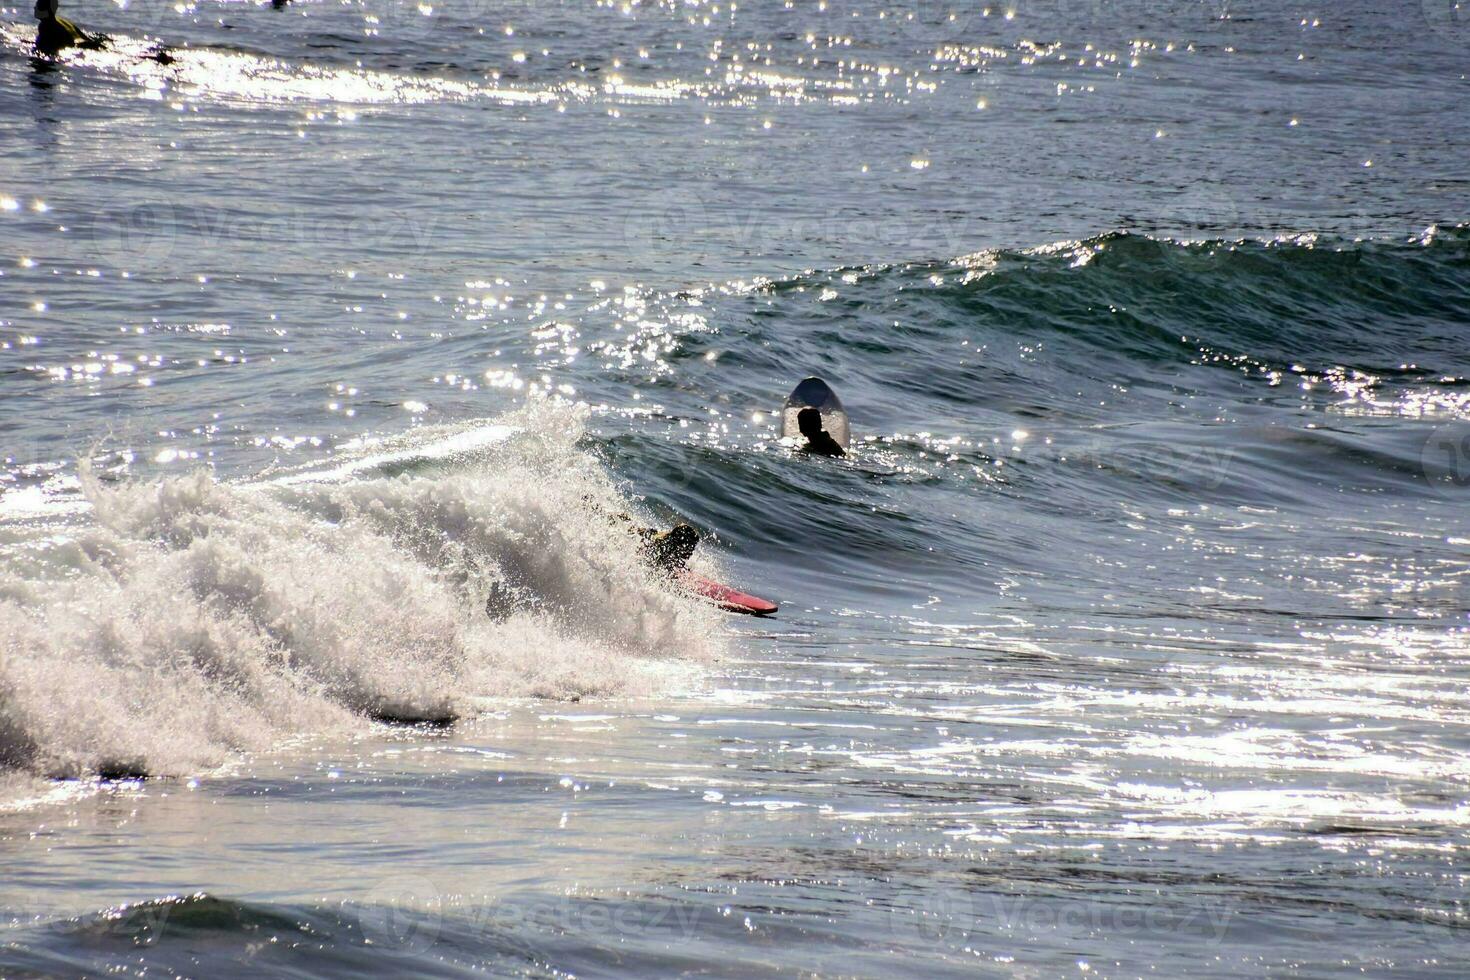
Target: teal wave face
1128 640
1013 407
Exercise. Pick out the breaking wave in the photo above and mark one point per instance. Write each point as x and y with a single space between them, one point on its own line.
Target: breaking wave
181 621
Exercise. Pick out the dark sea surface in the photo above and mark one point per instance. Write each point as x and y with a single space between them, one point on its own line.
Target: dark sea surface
1130 640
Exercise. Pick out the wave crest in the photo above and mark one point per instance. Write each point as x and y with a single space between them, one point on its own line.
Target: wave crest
190 618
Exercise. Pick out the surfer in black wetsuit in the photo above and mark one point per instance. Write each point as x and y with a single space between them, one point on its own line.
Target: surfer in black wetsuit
55 33
818 440
668 551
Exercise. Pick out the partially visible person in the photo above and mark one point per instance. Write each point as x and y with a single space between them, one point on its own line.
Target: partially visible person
55 33
818 439
667 551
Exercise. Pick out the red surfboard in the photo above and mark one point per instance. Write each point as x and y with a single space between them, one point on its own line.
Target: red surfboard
731 600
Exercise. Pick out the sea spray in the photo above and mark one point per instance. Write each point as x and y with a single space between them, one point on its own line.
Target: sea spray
198 618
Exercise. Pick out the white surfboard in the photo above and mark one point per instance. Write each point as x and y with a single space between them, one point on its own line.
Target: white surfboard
815 393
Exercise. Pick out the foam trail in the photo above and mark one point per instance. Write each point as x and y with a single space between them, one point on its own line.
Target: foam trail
190 619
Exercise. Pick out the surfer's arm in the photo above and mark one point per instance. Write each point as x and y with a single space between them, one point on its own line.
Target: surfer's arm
81 38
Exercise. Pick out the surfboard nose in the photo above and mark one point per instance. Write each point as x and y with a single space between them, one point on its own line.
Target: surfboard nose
814 393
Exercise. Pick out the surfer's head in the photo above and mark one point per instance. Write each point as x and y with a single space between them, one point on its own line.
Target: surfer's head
46 9
809 420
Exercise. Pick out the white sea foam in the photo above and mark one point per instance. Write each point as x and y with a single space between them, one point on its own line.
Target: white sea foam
181 621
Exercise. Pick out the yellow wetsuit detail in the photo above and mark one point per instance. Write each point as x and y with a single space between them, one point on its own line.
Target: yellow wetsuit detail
57 33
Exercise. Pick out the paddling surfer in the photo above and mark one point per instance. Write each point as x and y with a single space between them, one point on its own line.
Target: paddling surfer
55 33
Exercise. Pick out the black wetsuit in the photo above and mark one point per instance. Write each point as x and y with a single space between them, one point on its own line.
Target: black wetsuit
823 445
668 551
56 34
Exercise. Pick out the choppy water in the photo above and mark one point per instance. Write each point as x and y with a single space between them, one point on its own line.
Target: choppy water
1132 639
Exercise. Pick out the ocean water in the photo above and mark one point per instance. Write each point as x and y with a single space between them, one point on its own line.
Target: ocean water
1131 639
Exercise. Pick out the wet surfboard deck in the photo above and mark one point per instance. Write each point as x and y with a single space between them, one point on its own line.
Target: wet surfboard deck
727 598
